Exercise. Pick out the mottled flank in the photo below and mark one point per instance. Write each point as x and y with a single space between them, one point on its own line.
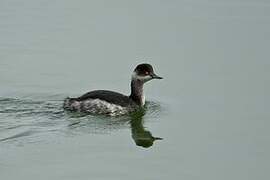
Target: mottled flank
95 106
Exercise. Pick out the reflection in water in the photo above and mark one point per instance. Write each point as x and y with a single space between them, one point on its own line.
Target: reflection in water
140 135
103 124
26 121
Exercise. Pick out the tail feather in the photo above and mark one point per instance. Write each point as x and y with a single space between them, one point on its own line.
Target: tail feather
68 103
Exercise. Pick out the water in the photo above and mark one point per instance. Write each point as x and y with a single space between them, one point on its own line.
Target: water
207 119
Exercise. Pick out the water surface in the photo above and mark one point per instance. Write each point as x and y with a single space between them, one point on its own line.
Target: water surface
207 119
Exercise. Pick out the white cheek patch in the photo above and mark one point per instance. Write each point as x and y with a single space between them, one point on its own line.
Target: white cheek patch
142 78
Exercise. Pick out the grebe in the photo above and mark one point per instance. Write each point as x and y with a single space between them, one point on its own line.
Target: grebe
113 103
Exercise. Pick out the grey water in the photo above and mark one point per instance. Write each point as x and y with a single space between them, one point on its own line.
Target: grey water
207 119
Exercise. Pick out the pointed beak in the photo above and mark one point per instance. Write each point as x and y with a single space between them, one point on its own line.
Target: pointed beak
157 138
154 76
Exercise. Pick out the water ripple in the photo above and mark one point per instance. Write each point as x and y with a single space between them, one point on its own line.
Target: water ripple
18 135
28 120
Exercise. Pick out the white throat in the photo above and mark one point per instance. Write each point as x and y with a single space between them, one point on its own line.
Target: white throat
137 89
143 99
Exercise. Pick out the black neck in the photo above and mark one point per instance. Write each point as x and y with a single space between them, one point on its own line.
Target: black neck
137 91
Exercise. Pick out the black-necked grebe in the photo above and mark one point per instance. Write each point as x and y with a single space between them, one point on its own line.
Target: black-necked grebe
113 103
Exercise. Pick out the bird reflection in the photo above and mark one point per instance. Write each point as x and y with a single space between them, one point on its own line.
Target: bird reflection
140 135
101 124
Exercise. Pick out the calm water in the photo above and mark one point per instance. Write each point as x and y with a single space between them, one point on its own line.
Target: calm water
208 118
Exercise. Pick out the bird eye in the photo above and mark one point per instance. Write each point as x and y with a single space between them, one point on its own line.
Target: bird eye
146 72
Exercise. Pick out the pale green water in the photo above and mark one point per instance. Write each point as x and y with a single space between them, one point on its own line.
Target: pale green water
211 108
